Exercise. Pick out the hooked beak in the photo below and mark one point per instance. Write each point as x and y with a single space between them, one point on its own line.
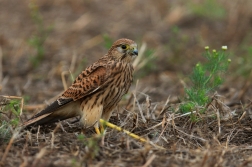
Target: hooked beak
134 51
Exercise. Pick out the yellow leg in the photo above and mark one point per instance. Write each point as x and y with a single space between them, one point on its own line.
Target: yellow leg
97 130
129 133
102 128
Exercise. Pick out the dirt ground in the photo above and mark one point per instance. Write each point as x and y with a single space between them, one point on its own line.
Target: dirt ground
76 33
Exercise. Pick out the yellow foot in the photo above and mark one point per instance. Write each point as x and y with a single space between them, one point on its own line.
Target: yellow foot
102 128
97 130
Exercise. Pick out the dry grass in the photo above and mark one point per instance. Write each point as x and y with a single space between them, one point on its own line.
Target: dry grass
177 32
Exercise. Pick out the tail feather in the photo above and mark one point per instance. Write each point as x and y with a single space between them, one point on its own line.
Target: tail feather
48 116
43 119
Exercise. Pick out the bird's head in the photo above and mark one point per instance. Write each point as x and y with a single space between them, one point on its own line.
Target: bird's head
123 50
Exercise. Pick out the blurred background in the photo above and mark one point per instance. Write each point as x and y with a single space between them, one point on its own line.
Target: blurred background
41 39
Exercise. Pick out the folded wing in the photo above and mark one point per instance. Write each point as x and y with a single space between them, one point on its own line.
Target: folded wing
93 79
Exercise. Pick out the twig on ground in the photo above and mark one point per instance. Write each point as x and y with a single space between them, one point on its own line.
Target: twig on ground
134 92
53 134
192 136
163 127
246 162
149 161
164 107
218 120
244 112
205 158
33 107
126 119
37 136
25 162
14 136
148 105
217 140
38 156
220 159
62 128
140 109
231 136
168 119
242 116
152 111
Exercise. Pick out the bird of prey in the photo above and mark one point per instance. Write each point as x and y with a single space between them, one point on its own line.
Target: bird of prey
96 91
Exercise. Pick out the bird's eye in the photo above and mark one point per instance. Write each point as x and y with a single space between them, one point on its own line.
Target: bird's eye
124 47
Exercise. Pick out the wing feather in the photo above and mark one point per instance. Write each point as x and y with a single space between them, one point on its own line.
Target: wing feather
88 82
86 85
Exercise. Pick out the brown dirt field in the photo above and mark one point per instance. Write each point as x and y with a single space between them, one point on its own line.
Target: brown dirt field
177 32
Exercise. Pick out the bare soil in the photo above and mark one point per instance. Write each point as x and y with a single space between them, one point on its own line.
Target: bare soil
177 32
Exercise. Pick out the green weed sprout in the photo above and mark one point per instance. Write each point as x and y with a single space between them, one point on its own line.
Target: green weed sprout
205 78
38 39
9 118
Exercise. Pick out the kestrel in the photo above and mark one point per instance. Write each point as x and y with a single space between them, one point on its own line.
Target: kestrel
96 91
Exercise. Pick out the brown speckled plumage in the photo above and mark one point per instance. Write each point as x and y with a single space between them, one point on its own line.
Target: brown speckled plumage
96 91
